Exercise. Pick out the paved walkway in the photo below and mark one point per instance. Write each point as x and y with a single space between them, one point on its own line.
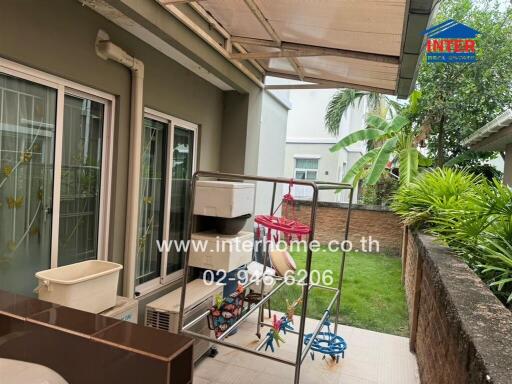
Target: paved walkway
370 358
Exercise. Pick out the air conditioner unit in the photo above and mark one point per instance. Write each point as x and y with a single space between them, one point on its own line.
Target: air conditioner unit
163 313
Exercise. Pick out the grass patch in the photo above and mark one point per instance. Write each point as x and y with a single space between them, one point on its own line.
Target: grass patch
372 295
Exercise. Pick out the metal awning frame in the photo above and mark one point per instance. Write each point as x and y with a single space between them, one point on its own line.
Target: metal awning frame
233 50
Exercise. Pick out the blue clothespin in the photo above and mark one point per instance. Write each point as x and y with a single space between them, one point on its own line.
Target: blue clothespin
285 325
270 341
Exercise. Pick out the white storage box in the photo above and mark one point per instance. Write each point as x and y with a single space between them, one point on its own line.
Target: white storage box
255 271
221 251
125 309
223 198
89 285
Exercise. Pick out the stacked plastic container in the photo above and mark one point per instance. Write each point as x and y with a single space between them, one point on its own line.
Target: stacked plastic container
225 247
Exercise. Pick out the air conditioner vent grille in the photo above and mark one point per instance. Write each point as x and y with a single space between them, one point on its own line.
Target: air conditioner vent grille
158 319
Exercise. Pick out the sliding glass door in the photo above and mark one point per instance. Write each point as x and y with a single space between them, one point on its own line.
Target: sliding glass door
151 207
51 177
168 162
27 145
82 147
182 170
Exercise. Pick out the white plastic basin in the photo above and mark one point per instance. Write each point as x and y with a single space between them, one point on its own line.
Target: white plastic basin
89 285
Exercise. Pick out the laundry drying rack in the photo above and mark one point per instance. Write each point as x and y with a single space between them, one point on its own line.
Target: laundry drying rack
303 346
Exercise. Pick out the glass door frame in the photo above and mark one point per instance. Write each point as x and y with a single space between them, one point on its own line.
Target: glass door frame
171 123
65 87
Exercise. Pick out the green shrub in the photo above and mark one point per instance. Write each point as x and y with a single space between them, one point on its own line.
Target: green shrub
468 213
420 201
496 265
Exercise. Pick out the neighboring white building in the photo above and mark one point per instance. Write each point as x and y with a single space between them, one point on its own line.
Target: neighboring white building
274 114
307 142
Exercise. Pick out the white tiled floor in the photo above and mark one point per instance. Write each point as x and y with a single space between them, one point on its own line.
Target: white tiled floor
370 358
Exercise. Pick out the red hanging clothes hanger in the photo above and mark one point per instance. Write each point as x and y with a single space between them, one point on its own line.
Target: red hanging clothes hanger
286 224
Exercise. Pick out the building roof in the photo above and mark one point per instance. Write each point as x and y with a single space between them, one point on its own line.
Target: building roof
370 45
493 136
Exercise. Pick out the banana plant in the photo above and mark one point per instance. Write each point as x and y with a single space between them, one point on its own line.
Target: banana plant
394 140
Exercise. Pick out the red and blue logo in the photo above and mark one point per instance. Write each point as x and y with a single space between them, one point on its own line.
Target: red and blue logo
451 42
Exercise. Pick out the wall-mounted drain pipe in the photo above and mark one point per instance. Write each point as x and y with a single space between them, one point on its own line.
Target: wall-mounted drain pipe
109 51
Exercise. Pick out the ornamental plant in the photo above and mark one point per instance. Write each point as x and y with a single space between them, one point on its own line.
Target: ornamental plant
469 214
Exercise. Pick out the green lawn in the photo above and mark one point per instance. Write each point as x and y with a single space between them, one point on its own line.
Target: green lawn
372 295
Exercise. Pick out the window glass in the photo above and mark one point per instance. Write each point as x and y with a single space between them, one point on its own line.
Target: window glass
305 169
300 175
307 163
80 183
182 169
311 175
151 206
27 142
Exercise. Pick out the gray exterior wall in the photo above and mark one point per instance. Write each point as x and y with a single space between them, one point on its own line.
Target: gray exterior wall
234 132
272 140
58 37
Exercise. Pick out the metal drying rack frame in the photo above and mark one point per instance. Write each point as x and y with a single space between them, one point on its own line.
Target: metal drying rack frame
302 350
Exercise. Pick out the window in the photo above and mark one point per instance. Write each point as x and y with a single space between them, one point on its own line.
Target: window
305 169
168 162
54 172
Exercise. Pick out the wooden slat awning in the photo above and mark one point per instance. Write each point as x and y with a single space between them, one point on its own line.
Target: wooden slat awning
370 45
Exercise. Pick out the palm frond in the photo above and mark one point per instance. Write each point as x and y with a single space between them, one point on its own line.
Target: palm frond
338 105
424 161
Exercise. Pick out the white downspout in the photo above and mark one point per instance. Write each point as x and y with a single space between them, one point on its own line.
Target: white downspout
108 50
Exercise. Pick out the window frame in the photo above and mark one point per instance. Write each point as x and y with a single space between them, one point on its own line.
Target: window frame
65 87
171 122
306 170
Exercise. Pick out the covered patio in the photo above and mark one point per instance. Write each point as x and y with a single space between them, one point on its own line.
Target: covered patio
175 77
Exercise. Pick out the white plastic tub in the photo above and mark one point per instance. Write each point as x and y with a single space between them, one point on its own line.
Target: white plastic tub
223 198
221 252
89 285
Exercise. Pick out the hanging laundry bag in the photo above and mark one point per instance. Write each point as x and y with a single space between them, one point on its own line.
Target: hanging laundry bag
225 315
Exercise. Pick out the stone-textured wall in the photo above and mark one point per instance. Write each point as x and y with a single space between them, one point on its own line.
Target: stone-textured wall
409 263
378 222
460 332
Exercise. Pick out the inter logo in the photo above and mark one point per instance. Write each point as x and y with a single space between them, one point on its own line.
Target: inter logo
451 42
